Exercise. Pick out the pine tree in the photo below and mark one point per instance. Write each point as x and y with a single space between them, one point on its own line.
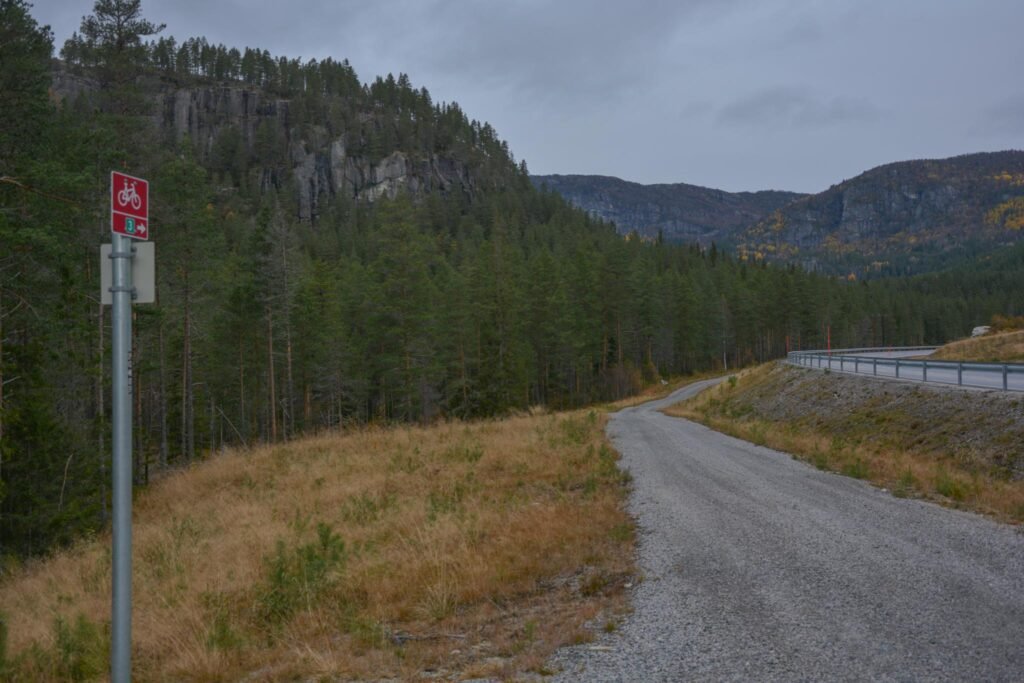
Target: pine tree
113 39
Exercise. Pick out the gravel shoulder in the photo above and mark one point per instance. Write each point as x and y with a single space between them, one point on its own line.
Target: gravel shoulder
759 567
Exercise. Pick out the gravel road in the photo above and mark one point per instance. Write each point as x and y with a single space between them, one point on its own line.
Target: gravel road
760 568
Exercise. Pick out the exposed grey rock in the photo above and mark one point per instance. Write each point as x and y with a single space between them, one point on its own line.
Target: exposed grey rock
319 162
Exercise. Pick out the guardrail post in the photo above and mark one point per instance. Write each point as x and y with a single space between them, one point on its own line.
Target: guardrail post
874 366
897 367
1006 371
924 373
856 365
960 373
842 361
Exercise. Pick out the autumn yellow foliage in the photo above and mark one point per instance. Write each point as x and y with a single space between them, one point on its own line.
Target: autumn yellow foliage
1009 178
1009 214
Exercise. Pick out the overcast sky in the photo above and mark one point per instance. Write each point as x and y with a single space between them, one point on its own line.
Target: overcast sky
734 94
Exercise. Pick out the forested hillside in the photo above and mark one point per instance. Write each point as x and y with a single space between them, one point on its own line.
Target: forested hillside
332 253
900 219
680 212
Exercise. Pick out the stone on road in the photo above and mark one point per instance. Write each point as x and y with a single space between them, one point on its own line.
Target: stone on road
757 567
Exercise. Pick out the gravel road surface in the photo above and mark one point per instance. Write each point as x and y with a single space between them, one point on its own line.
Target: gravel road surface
760 568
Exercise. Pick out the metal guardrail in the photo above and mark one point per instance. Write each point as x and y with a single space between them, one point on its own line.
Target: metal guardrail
885 362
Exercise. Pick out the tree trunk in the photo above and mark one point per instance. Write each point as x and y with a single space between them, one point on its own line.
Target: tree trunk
289 418
187 397
241 386
307 406
289 425
164 442
464 377
2 384
618 341
273 391
213 426
101 414
135 383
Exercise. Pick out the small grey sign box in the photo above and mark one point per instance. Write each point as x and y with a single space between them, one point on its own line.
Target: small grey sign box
143 273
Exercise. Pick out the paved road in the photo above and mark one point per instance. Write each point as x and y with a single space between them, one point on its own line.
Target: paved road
944 372
760 568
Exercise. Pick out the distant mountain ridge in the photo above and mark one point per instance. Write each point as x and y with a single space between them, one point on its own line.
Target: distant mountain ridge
897 219
901 218
682 212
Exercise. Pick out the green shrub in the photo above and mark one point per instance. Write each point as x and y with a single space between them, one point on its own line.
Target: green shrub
222 634
296 578
820 460
82 649
366 509
906 485
858 469
577 430
950 487
607 462
446 500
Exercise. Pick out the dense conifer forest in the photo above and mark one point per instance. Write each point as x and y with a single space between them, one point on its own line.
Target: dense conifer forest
415 306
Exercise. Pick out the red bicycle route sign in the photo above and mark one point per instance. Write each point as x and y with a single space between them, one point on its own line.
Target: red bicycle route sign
129 205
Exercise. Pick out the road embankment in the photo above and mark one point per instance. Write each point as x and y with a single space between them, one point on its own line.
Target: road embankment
962 448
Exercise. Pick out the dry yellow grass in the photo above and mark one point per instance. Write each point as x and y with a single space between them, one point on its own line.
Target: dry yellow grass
896 462
470 548
1002 347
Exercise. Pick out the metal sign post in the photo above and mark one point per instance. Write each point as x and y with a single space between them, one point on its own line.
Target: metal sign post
121 319
129 220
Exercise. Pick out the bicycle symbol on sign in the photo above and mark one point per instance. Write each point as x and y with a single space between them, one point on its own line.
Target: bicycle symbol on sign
128 196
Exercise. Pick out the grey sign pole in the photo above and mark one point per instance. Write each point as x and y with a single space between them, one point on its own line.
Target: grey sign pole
121 317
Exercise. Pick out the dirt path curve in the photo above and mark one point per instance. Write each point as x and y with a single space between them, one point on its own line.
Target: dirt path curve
760 568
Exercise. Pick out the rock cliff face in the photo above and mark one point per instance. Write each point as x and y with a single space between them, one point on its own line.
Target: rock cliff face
318 161
315 160
683 213
900 218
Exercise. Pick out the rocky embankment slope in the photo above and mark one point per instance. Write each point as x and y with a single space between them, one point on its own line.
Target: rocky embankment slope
980 429
960 447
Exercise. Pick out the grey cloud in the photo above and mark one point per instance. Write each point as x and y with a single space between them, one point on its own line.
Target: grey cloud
795 107
696 110
1006 116
554 52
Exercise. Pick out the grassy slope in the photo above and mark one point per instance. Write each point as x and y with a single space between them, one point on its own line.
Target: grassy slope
960 448
473 548
1003 347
